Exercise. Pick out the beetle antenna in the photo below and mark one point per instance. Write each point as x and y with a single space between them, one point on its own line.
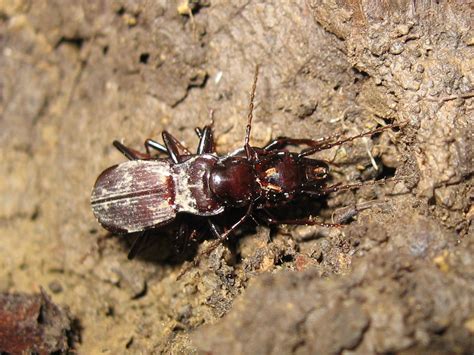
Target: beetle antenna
327 145
340 187
248 149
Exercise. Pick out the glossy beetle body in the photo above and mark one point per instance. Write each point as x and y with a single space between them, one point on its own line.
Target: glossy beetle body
142 194
148 192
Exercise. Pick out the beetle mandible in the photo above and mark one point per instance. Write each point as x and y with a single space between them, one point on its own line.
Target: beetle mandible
146 192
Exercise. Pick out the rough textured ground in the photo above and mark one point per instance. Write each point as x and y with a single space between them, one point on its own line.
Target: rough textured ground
33 324
74 75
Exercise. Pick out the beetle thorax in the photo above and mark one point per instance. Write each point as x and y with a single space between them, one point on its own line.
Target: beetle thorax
234 181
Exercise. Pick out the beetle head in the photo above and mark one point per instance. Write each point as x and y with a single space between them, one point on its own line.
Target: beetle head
316 171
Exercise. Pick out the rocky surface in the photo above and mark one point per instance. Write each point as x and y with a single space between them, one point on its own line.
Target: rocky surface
34 324
74 75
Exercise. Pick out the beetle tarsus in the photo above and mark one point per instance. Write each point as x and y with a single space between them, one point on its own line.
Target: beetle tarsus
130 154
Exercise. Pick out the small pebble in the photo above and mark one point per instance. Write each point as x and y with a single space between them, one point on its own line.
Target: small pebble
55 287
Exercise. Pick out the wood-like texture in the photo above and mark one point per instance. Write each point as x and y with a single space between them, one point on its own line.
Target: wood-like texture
33 324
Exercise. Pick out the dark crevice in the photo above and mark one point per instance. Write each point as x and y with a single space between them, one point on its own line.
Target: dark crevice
386 172
432 201
194 83
198 81
41 315
74 334
77 42
142 293
36 213
144 58
285 259
359 75
121 11
195 6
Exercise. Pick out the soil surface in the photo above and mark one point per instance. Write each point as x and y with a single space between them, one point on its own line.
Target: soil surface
397 278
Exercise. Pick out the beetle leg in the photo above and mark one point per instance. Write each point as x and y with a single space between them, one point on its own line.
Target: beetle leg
222 237
172 146
183 236
214 229
272 220
202 131
319 144
328 144
344 214
130 153
206 141
150 143
320 191
198 132
137 244
193 236
184 150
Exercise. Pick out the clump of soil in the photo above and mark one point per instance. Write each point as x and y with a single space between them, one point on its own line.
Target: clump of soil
33 324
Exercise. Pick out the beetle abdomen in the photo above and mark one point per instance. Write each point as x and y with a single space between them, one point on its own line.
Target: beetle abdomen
134 196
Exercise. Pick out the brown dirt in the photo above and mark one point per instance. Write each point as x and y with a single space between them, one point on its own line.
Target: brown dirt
33 324
74 75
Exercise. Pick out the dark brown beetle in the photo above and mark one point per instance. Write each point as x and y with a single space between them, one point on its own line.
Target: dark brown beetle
146 193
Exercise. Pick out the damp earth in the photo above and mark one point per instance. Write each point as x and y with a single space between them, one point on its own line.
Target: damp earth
397 278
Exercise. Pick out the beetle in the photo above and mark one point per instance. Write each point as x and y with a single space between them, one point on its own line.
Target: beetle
146 192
